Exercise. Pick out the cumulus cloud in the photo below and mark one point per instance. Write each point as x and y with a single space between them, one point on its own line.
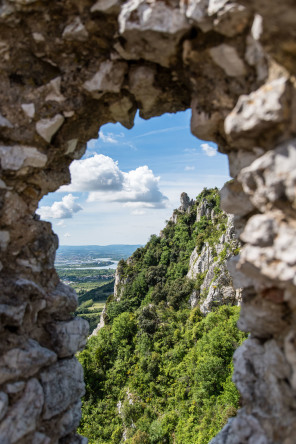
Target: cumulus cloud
208 150
67 235
61 210
107 138
102 178
98 172
189 168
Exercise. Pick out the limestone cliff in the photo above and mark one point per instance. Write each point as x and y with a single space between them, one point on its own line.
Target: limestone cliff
209 265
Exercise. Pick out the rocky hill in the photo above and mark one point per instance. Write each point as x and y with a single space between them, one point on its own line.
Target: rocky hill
159 368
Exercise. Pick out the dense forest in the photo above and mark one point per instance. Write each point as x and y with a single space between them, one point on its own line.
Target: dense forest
159 371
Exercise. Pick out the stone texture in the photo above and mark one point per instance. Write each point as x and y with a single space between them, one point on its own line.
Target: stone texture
70 68
259 110
69 337
15 157
109 78
227 58
62 384
75 31
46 128
3 404
22 417
24 361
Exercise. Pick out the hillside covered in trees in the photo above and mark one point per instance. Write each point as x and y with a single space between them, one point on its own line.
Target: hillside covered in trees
159 370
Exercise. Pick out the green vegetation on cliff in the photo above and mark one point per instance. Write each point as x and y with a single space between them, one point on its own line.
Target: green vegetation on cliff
159 371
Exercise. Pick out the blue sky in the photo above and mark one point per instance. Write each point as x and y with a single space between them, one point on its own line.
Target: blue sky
129 181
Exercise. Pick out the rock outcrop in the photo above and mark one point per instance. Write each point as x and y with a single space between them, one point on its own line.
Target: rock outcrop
74 66
209 266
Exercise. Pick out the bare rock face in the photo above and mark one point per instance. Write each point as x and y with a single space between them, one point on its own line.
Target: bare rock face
73 66
210 265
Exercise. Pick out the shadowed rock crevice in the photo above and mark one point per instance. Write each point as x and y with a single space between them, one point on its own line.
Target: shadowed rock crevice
67 68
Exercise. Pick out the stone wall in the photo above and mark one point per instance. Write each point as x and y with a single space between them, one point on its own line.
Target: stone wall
69 67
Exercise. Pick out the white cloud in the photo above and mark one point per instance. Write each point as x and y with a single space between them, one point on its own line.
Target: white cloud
107 138
209 150
61 210
98 172
189 168
67 235
61 223
102 178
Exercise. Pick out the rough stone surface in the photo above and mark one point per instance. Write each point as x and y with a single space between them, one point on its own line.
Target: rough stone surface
215 289
72 67
24 361
70 337
22 417
62 384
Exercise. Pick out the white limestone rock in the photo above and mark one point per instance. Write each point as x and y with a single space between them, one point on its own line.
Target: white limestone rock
239 279
29 109
204 125
243 429
47 128
199 263
146 27
61 301
106 6
75 31
38 37
259 110
228 59
22 417
101 324
24 361
54 91
62 384
234 200
197 13
239 159
69 337
215 6
219 290
109 78
141 80
123 111
4 239
260 230
17 156
203 209
255 55
272 177
71 146
194 298
70 420
4 123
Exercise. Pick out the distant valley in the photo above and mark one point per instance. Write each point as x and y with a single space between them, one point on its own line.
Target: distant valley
90 270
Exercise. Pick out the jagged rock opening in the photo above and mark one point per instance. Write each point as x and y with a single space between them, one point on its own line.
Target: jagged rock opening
69 67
